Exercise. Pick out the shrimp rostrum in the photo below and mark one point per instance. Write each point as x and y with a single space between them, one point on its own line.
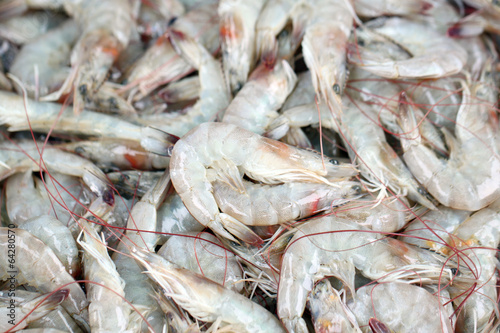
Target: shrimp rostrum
225 152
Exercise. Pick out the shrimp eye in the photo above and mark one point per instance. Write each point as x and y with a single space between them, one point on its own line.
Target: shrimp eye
83 89
172 21
356 189
422 191
79 150
234 244
336 89
334 161
455 271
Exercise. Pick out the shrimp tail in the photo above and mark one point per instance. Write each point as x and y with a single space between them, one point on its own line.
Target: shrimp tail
227 226
54 300
157 141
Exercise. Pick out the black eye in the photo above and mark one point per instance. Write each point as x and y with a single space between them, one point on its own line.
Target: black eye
79 150
234 244
455 271
422 191
334 161
336 89
356 189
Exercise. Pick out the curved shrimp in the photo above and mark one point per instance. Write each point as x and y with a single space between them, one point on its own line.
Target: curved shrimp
462 183
203 254
262 205
230 151
237 33
43 271
207 300
330 246
255 105
43 65
431 54
29 310
383 301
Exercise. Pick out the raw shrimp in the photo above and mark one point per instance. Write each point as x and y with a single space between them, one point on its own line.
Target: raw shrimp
262 205
475 24
108 310
58 237
432 55
161 64
230 151
37 265
45 117
133 183
330 246
183 90
370 8
40 306
384 302
178 320
324 49
57 318
28 27
303 92
202 253
237 33
25 156
329 312
206 300
470 178
43 64
106 27
255 105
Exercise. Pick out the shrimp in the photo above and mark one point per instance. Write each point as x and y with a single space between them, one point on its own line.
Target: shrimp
255 105
475 24
329 311
230 151
133 183
183 90
324 49
237 33
384 302
262 205
303 92
57 318
108 310
203 254
330 246
161 64
366 8
106 28
43 64
29 26
45 117
432 55
43 271
12 312
462 183
206 300
25 156
58 237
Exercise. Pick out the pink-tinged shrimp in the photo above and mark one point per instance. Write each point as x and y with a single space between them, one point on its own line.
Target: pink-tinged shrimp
237 33
43 271
224 151
470 178
206 300
255 105
331 246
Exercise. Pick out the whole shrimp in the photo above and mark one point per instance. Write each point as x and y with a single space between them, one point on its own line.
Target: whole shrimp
206 300
255 105
330 246
230 151
106 28
383 301
237 33
262 205
469 183
43 271
431 54
29 310
43 64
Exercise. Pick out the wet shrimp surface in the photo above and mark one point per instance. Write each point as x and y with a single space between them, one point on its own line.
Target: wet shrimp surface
249 166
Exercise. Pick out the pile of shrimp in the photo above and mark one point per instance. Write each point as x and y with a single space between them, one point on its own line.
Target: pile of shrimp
249 166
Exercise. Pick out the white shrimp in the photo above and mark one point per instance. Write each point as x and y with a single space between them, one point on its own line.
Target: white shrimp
230 151
470 178
401 307
237 33
255 105
206 300
370 8
11 313
330 246
45 117
262 205
43 65
43 271
431 54
202 253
